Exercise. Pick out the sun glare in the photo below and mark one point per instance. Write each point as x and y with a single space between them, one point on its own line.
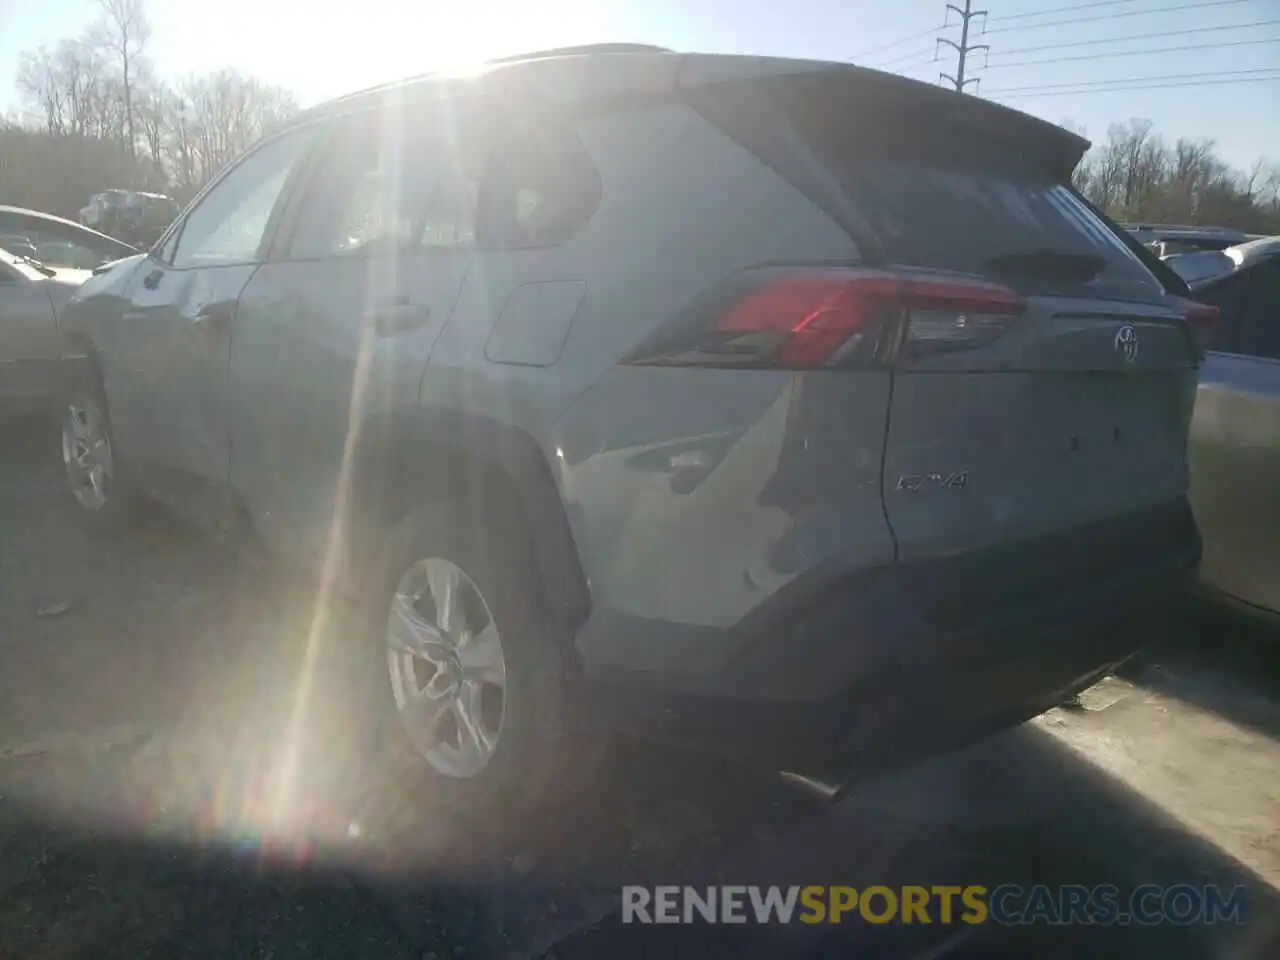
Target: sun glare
389 40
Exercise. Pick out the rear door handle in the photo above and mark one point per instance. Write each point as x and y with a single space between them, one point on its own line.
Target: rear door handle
395 315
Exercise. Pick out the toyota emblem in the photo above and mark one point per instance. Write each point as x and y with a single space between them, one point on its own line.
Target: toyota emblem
1127 342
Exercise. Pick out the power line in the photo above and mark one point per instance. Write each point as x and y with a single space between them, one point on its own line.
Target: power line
1032 93
932 54
1169 76
898 62
894 43
1117 16
1136 36
1071 9
1130 53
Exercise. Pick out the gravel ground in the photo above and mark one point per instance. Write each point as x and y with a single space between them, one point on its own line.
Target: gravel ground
175 780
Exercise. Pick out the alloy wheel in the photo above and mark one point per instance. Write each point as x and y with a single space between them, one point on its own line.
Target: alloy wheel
86 453
448 670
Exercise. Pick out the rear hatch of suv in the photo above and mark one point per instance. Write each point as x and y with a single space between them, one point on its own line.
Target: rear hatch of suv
1043 375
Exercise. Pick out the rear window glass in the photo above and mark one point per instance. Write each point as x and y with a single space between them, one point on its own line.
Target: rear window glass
944 189
960 219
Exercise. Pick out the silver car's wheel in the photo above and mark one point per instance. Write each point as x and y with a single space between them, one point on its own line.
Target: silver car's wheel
448 669
86 452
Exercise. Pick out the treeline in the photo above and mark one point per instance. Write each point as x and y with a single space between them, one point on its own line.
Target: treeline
96 116
1135 174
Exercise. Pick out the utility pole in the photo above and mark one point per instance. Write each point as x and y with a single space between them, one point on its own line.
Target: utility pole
963 48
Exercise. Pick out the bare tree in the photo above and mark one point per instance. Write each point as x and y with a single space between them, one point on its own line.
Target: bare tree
1271 187
124 31
152 110
40 88
1107 167
216 117
1254 178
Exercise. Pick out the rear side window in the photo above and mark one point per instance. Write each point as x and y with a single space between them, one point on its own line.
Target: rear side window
1229 295
1263 337
1249 306
539 186
459 177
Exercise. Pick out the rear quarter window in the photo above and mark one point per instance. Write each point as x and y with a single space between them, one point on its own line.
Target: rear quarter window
539 186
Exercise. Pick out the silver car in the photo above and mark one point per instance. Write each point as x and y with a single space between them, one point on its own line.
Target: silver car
1235 433
32 297
56 242
775 406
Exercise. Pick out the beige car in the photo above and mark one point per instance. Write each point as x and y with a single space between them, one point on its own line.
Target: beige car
1235 431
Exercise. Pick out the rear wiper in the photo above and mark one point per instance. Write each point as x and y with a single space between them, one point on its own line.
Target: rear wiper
1059 265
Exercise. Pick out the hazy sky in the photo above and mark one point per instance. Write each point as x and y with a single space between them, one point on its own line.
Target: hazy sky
320 48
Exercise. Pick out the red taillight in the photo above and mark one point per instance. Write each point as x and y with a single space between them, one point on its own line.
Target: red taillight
833 317
1202 319
811 317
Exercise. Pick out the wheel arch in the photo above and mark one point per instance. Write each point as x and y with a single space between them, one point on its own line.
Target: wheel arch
79 357
411 456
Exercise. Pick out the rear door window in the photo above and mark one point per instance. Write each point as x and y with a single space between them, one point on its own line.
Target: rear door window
1248 303
1262 328
1230 296
371 186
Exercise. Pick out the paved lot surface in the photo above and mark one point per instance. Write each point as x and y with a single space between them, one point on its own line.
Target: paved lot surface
181 775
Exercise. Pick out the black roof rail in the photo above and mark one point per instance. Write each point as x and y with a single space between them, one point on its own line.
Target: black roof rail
583 50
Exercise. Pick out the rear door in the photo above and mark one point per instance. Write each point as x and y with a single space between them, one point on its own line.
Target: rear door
1060 404
337 328
1074 412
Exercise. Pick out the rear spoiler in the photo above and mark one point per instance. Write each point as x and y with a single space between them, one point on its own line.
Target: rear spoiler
870 94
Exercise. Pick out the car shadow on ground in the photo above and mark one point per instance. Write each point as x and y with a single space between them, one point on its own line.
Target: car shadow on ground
1017 809
152 728
1222 662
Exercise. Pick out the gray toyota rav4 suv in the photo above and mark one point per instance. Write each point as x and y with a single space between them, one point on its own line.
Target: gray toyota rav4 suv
766 404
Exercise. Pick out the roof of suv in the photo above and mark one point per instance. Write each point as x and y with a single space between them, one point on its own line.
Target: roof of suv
570 74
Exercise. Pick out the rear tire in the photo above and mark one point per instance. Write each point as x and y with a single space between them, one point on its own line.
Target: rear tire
541 746
105 498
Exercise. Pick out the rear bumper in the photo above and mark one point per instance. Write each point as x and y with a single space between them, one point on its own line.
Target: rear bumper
905 652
